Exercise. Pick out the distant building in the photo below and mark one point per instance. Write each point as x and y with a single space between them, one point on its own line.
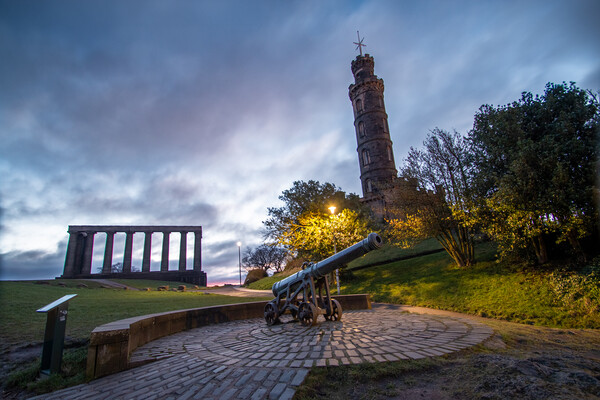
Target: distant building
378 174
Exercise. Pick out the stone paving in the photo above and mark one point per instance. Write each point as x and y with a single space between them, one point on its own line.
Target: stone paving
249 360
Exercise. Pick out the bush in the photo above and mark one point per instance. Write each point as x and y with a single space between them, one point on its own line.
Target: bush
254 275
578 291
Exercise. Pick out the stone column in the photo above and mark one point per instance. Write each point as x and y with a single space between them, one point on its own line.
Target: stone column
127 255
69 269
108 253
147 252
183 252
88 252
198 251
164 262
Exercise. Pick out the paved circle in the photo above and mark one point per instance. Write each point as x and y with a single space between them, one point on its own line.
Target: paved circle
249 360
383 334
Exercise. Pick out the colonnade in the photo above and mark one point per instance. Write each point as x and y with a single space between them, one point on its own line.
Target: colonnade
80 249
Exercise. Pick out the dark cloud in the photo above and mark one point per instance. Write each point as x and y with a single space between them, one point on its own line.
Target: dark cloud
202 113
33 264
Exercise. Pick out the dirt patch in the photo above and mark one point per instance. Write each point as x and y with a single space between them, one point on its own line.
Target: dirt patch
18 357
14 357
494 376
518 362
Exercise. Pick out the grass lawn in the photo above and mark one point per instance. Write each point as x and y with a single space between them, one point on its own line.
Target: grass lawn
143 284
92 307
490 289
21 326
387 252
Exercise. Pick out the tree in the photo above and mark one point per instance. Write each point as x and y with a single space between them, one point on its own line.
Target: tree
536 162
316 234
115 268
434 199
304 224
265 257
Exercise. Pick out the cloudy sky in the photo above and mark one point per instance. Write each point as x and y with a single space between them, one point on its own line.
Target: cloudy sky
203 112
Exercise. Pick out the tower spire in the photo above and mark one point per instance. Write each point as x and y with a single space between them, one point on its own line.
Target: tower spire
359 44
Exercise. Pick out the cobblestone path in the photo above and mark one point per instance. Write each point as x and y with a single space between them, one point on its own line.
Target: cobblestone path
250 360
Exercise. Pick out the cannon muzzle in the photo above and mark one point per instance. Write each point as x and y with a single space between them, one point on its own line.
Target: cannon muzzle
322 268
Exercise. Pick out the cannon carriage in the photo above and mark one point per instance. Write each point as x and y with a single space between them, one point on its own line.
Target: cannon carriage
306 295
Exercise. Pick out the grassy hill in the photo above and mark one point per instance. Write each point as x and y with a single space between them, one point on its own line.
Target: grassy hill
489 289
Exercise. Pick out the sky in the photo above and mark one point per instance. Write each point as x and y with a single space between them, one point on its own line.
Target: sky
202 112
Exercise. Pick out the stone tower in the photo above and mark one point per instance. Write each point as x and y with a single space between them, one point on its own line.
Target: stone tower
375 155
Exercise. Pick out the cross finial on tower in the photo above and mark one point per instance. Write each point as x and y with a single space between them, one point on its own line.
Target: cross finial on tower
359 44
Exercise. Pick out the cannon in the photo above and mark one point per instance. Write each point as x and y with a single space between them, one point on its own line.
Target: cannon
310 283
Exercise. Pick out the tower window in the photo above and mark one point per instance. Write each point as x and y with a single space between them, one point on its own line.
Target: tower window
361 129
381 101
359 105
369 185
366 157
385 126
389 153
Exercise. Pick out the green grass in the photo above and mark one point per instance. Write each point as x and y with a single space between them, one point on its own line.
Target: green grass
387 252
267 283
92 307
21 324
488 289
142 284
72 373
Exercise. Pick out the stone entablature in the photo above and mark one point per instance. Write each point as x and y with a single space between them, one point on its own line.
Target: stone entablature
78 261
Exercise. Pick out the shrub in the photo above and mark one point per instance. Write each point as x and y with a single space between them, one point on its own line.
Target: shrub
255 275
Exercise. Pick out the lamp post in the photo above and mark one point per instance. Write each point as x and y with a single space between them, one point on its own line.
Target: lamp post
239 244
337 271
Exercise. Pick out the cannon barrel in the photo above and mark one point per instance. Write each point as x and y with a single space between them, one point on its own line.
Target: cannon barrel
322 268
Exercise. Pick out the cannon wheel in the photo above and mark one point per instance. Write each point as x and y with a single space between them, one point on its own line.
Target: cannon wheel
271 314
308 314
336 313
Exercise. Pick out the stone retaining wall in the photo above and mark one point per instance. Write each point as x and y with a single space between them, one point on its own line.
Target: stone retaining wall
111 344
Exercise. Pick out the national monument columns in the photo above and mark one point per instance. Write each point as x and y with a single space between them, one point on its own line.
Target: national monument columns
80 250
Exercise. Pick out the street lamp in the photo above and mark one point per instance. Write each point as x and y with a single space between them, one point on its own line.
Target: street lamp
239 244
337 271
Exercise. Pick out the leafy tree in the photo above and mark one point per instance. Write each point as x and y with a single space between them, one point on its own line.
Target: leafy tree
536 162
265 257
434 199
304 225
317 233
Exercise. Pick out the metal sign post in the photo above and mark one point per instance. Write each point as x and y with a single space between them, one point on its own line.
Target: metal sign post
54 336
